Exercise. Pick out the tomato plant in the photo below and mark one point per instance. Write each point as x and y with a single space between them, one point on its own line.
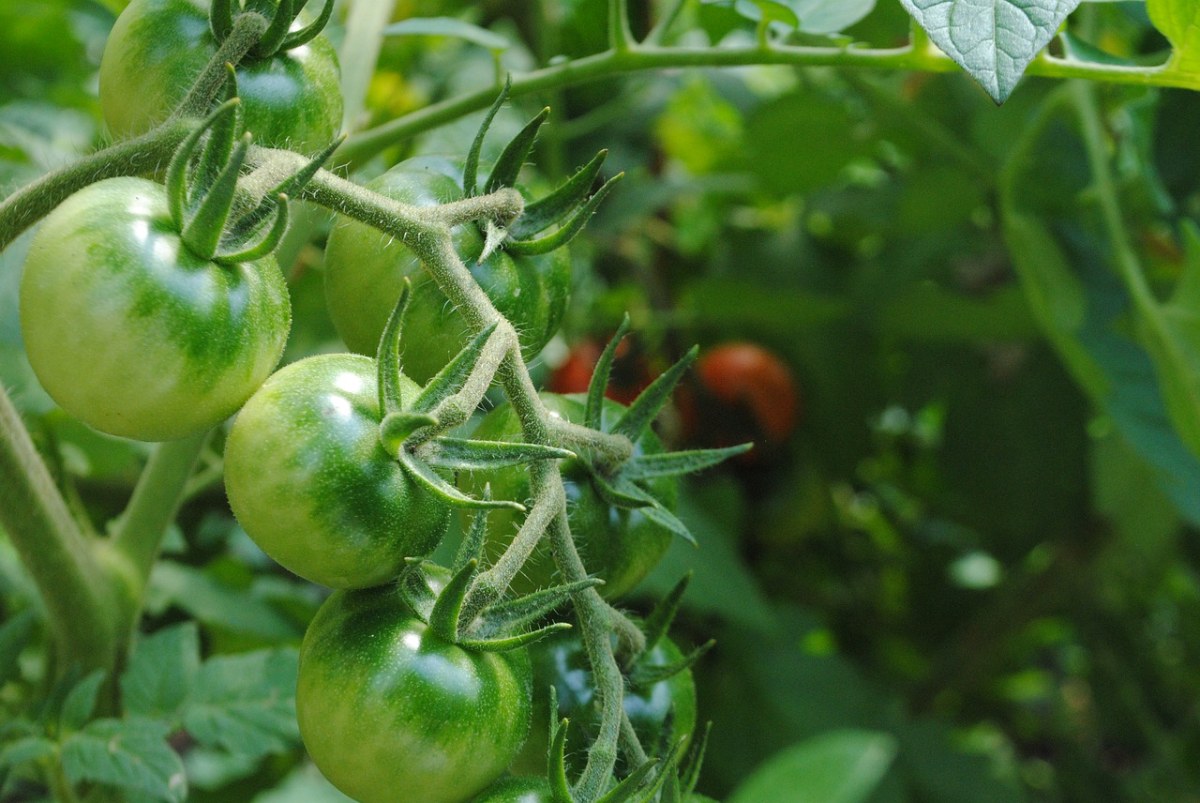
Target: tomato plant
291 95
309 479
661 711
389 710
134 333
621 545
365 269
526 789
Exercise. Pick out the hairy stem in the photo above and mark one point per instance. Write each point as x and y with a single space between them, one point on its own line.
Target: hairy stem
37 199
53 550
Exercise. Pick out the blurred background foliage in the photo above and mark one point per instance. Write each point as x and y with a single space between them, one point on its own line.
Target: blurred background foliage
965 554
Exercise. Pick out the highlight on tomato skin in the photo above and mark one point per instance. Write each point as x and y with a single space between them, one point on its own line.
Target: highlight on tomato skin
740 391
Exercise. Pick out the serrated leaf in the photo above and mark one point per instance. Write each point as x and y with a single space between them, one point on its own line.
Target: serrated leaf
837 767
14 635
458 454
1179 21
130 754
80 702
161 672
26 750
448 26
993 40
245 704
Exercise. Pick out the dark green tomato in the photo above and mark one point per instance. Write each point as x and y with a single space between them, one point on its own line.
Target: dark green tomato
524 789
617 545
560 661
389 711
365 269
158 47
309 480
132 333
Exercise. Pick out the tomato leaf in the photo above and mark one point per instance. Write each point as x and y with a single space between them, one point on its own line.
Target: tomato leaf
131 755
674 464
568 230
450 379
994 40
646 406
161 672
448 26
80 702
839 767
1179 21
245 704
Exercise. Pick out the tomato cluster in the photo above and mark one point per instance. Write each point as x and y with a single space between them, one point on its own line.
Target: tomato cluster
156 312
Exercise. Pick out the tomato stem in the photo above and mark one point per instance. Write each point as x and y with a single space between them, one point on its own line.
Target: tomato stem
59 558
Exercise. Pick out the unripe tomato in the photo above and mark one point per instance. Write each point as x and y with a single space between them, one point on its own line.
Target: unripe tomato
617 545
365 269
521 789
390 712
131 332
311 483
158 47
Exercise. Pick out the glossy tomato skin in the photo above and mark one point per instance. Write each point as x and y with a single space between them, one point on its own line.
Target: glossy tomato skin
389 711
132 333
158 47
618 546
309 480
521 789
560 661
365 269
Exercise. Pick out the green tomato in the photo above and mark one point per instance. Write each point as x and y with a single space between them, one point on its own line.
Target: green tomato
618 546
132 333
524 789
365 270
158 47
560 661
389 711
309 480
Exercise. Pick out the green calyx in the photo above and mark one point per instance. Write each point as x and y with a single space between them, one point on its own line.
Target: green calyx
280 15
623 485
439 598
411 429
570 206
202 189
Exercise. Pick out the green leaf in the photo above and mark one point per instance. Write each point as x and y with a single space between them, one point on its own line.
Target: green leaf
14 635
1179 21
130 754
810 16
26 750
768 11
993 40
216 604
80 702
448 26
161 672
838 767
674 464
245 704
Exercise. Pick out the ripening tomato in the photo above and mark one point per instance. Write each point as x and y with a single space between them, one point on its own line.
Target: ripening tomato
134 334
291 99
309 480
365 269
389 711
